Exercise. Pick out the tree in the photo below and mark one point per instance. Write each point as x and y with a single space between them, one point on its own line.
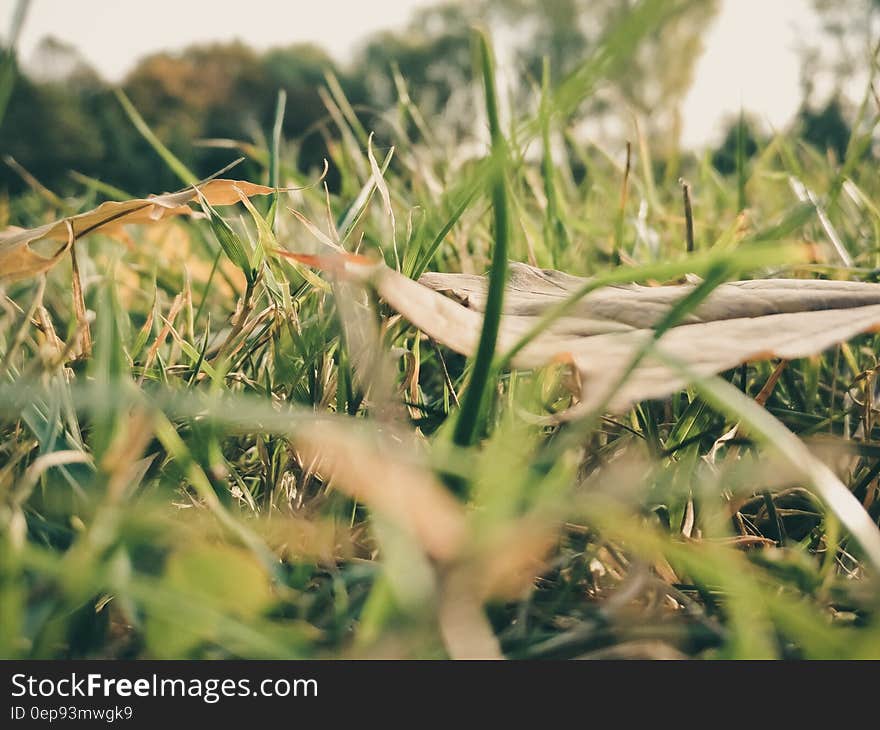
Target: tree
48 130
434 55
65 117
846 49
740 131
301 71
826 129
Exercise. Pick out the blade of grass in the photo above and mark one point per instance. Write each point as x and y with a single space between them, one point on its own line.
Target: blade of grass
741 162
8 64
556 237
470 416
382 187
275 156
464 203
170 159
353 214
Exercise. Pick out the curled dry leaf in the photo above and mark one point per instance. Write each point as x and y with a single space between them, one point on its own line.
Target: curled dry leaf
18 260
739 322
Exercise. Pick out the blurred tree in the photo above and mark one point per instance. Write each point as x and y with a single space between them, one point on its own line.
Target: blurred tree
836 68
561 30
301 70
844 52
657 78
48 130
64 117
218 87
206 91
433 54
724 156
827 128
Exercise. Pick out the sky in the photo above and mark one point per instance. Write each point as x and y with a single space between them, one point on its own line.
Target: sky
750 64
113 34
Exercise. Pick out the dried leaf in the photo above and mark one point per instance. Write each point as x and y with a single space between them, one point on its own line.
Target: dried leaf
18 260
739 322
382 187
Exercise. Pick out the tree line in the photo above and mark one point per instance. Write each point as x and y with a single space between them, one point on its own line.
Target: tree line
62 116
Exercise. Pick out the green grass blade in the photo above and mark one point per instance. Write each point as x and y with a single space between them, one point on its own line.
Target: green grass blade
741 162
170 159
8 59
470 417
275 156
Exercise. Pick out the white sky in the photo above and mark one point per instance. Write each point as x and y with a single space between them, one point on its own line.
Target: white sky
749 60
749 57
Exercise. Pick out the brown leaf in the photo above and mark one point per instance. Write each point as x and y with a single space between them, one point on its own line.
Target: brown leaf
18 260
739 322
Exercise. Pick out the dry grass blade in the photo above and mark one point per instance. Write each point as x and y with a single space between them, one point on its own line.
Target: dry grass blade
382 187
405 494
455 326
709 348
79 304
18 260
466 631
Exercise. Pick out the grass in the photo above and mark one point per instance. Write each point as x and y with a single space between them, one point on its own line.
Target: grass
256 460
469 419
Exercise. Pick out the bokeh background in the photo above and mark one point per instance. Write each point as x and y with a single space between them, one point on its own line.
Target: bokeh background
202 71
